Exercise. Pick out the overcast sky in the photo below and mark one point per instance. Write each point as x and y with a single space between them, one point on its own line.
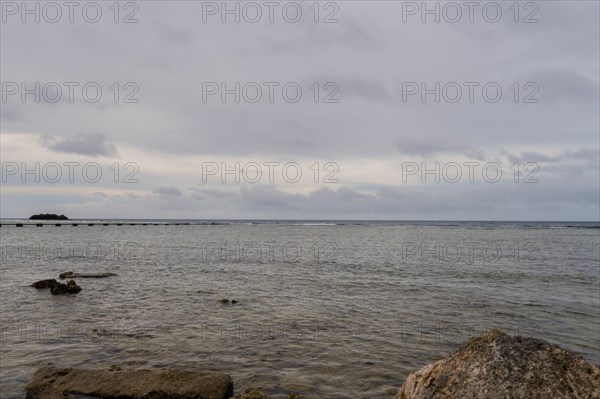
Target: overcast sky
517 93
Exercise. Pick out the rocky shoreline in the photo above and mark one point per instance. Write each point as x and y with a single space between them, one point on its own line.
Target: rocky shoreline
490 366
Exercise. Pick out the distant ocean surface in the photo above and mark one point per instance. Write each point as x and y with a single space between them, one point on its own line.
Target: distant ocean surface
329 309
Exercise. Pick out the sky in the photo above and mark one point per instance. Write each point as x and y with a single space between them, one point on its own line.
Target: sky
378 110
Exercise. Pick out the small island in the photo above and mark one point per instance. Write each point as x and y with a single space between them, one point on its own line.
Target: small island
48 216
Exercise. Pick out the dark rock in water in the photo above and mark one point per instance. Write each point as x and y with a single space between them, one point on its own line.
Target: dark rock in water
57 288
50 283
65 275
70 288
497 366
227 301
48 216
50 382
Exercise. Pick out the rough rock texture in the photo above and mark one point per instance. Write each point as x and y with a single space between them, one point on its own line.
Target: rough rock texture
65 275
497 366
56 383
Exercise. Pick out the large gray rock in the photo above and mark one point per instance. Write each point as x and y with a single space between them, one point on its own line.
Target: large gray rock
55 383
497 366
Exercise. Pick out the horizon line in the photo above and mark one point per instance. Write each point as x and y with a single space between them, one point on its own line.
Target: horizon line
320 220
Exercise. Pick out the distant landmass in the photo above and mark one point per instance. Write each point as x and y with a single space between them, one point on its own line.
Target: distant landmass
48 216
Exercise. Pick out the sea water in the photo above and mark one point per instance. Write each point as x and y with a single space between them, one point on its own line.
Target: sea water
326 309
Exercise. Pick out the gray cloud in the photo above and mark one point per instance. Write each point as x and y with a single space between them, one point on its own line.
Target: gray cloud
369 53
10 113
582 154
532 156
590 154
370 90
177 35
566 83
169 191
429 146
350 34
94 145
484 201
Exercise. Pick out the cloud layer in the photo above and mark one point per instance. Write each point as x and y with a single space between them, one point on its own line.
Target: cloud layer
371 93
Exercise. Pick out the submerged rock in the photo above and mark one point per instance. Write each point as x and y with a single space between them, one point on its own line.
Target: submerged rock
497 366
50 382
57 288
42 284
227 301
65 275
70 288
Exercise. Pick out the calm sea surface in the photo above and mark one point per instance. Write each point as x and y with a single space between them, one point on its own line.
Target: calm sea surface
327 309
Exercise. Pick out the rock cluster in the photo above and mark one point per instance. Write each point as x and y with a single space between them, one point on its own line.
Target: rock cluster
57 288
71 286
497 366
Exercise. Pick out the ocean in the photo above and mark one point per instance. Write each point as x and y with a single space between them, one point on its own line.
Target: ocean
328 309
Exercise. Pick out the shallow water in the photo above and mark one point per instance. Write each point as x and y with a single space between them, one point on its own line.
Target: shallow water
330 310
